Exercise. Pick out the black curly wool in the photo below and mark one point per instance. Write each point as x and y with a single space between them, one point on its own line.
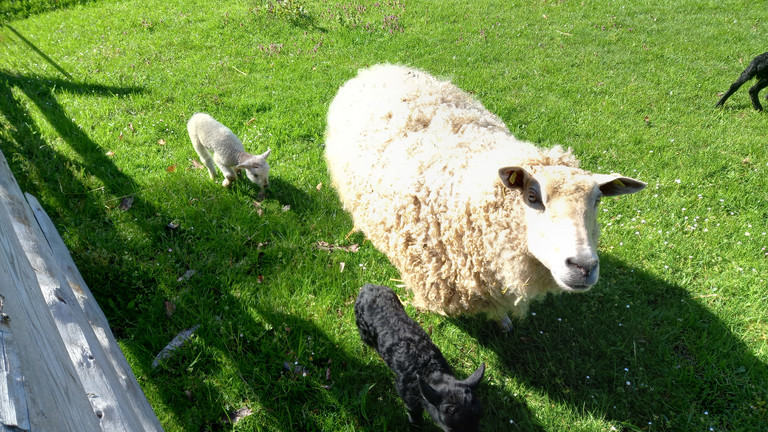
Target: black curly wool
757 68
423 378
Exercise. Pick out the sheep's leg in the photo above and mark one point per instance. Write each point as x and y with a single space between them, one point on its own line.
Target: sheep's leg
229 177
205 155
416 417
745 76
505 324
735 86
754 92
230 173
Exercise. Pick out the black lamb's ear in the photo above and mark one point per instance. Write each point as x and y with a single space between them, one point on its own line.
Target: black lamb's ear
429 393
473 380
513 177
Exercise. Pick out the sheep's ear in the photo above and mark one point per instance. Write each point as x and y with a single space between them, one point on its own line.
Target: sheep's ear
249 165
428 392
514 177
614 184
266 153
476 377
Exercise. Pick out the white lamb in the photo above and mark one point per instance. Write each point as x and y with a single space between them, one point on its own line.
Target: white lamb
474 219
208 135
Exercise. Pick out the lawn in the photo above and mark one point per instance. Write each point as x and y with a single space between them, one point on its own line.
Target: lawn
95 99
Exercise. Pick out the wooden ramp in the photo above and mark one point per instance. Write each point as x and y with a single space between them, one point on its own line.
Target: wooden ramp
60 366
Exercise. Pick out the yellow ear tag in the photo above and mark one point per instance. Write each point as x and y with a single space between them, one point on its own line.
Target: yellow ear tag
512 177
619 183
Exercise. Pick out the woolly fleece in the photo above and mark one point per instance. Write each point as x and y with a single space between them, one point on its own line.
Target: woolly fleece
416 162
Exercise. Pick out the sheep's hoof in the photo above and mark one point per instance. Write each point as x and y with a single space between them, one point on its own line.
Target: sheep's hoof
505 324
226 183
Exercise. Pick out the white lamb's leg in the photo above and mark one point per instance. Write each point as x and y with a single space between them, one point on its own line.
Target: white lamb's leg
205 156
230 175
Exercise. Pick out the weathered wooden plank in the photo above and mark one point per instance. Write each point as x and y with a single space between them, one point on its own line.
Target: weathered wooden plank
123 377
52 392
13 397
84 350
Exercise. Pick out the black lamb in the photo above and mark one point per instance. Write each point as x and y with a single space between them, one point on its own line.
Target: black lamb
758 68
423 378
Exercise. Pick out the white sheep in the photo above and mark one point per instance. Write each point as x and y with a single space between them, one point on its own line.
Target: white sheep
474 219
208 135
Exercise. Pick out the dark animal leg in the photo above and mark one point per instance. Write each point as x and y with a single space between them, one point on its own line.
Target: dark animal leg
735 86
745 76
755 90
416 417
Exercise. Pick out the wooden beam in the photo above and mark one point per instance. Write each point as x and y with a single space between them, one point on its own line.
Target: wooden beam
120 373
88 378
52 396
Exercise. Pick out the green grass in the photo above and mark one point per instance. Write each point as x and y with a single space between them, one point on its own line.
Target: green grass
673 338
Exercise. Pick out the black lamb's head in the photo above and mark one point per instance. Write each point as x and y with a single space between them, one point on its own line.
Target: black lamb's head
452 403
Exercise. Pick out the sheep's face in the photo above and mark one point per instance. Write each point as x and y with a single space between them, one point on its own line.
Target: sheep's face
452 405
257 169
561 218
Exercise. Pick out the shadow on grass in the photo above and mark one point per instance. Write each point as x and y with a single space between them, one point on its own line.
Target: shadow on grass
635 350
292 376
14 10
288 194
77 188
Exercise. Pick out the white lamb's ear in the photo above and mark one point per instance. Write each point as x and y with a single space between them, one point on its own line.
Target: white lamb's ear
266 153
514 177
251 164
615 184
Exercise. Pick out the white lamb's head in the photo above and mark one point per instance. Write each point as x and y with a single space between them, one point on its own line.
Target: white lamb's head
561 217
257 169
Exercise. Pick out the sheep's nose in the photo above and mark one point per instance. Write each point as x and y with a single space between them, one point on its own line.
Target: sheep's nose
584 266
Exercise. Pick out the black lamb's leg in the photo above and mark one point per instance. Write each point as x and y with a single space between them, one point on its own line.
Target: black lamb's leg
416 417
754 92
735 86
745 76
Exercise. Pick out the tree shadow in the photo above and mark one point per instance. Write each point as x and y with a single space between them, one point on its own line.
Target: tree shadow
87 190
636 350
27 136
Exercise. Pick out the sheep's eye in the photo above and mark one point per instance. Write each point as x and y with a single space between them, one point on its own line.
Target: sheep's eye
533 196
